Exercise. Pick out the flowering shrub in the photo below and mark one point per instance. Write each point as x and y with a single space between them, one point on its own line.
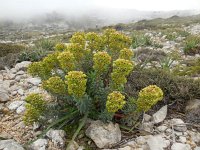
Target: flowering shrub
148 97
60 47
55 85
126 54
101 62
115 101
88 77
94 41
121 68
76 81
67 61
34 108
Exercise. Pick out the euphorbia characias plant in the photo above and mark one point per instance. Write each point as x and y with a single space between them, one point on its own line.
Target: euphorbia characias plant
87 77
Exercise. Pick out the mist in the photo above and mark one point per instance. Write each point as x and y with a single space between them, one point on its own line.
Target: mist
91 12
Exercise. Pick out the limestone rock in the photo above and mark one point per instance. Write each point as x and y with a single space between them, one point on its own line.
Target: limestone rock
160 115
180 146
4 97
22 65
15 104
57 137
104 135
178 125
10 145
195 136
34 81
39 144
157 143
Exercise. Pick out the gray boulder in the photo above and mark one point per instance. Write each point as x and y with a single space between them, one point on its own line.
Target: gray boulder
22 65
57 137
10 145
180 146
39 144
104 135
178 125
160 115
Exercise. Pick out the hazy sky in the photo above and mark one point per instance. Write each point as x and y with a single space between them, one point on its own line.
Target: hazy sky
27 7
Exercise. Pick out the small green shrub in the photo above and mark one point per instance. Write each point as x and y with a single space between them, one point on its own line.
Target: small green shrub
192 46
45 44
174 87
140 39
32 55
10 48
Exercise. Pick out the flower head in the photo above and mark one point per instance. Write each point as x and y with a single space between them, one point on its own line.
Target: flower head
148 97
126 54
76 81
101 62
115 101
55 85
66 60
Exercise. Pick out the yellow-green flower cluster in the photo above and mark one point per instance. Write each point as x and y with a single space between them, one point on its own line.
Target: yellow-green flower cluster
55 85
77 50
115 41
51 61
126 54
101 62
115 101
79 38
148 97
94 41
67 61
39 69
34 108
60 47
76 82
121 69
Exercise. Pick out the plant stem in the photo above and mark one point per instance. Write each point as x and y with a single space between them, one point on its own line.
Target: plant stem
78 130
51 125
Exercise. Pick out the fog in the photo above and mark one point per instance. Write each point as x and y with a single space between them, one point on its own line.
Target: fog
107 11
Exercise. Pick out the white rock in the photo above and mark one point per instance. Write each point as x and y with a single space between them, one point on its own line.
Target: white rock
22 66
157 143
178 125
57 136
39 144
10 145
13 70
126 148
160 115
15 104
182 139
180 146
195 136
197 148
147 126
73 146
1 77
20 72
21 108
34 81
12 76
162 128
102 134
17 78
4 96
147 117
141 140
20 91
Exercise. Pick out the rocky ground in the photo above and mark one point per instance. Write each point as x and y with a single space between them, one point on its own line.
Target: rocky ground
156 132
